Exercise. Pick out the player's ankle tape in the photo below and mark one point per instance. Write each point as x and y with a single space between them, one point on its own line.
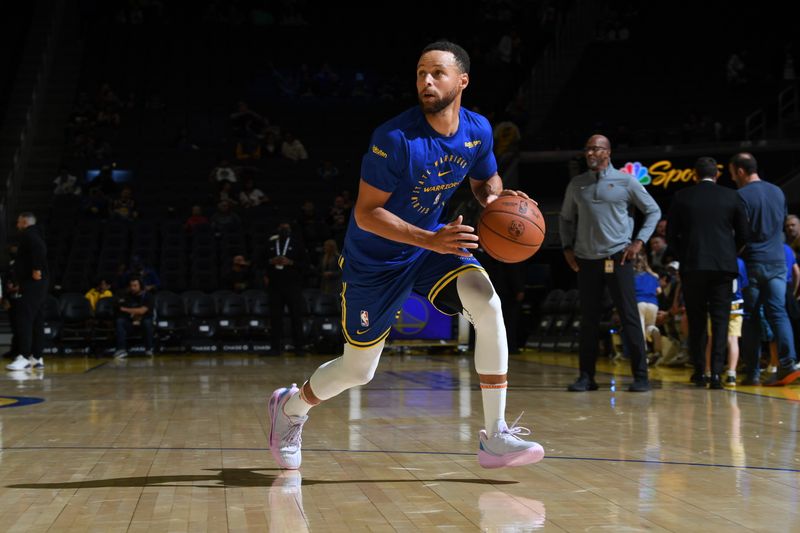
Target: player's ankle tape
313 400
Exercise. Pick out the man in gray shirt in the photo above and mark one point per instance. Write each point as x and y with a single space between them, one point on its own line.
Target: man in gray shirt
596 230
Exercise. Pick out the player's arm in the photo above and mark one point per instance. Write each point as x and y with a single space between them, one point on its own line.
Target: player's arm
487 191
370 215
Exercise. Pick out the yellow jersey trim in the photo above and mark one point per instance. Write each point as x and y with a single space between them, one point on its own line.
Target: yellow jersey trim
447 278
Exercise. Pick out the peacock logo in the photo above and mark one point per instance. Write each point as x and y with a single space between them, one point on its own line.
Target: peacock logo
638 171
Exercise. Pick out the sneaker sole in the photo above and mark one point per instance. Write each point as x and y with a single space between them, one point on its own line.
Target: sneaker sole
274 442
534 454
788 378
587 389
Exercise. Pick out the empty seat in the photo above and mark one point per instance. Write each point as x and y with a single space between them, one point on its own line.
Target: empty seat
52 320
76 315
231 313
170 314
202 313
257 306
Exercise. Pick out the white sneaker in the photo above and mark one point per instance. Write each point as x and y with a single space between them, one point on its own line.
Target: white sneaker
285 432
36 363
505 448
20 363
120 354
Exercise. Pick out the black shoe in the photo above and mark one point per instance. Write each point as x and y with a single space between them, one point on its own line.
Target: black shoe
639 386
730 380
752 381
783 376
698 379
715 382
583 384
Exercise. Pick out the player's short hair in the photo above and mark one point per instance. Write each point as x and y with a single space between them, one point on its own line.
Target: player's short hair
443 45
706 167
746 162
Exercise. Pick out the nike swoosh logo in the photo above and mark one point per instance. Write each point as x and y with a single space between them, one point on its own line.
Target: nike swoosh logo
443 173
361 332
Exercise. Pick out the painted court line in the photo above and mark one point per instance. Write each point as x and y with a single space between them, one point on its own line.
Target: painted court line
343 450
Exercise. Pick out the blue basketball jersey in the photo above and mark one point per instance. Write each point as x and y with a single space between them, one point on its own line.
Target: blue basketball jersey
421 169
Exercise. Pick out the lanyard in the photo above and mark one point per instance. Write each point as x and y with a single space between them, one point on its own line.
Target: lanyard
285 246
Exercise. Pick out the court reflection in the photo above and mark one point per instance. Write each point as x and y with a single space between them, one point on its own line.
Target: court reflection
499 511
286 512
503 512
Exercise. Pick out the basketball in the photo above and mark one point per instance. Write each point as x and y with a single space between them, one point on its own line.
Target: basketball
511 229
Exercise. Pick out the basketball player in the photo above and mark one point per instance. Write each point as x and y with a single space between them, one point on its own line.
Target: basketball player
396 243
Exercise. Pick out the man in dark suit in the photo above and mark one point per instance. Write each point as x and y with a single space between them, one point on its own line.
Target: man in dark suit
708 227
30 275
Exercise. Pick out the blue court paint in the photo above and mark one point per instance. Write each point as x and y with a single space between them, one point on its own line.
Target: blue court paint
18 401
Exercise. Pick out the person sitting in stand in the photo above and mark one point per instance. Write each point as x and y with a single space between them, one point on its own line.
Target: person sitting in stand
101 289
240 275
135 308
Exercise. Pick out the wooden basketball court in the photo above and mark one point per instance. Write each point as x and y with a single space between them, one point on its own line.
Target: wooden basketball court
180 444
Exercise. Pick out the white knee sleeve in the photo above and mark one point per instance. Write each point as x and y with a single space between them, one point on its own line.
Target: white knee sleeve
355 367
482 308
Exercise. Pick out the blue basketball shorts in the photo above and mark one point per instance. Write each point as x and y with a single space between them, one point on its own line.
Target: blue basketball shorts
372 298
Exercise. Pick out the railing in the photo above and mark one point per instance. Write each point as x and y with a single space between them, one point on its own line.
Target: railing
787 107
755 125
572 30
8 204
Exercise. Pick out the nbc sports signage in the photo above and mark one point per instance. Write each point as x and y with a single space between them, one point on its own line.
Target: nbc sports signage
661 173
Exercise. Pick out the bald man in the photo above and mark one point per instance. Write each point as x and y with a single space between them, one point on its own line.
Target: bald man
597 236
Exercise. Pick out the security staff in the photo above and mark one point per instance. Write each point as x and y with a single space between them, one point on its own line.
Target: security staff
287 261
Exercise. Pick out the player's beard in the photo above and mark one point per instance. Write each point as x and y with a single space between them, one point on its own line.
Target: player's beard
436 106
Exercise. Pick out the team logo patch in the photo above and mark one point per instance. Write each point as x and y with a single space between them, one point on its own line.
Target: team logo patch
364 319
523 208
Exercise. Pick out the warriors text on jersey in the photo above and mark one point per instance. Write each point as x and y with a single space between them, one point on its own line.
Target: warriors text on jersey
421 169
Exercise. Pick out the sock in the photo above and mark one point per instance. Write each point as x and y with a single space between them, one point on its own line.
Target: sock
297 405
494 405
732 373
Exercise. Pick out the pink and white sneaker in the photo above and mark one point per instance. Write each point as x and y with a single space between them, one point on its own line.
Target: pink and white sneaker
505 448
285 432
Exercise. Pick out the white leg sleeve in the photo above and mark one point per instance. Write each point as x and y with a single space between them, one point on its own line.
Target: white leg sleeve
482 308
355 367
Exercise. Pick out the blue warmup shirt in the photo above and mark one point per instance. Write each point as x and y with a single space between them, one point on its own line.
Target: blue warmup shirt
790 261
765 205
646 287
737 304
421 169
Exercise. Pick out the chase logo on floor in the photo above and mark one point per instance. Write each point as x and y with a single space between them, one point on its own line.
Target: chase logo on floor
17 401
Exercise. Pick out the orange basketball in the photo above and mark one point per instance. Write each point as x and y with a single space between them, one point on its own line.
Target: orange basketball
511 229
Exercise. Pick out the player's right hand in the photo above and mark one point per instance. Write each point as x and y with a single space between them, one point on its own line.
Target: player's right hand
454 238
